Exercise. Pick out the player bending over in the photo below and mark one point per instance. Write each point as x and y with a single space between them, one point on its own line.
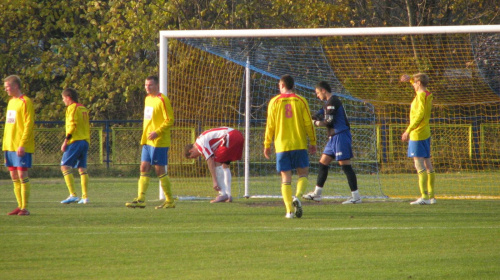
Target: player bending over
219 146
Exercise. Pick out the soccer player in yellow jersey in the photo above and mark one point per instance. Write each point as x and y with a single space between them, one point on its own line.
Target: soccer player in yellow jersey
19 142
155 141
418 134
75 146
288 126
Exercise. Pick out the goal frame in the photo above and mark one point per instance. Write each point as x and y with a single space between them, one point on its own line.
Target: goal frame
301 32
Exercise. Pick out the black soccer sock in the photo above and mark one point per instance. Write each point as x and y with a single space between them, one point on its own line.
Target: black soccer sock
322 175
351 177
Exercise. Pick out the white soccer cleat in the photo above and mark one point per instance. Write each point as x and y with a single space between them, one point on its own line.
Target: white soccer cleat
421 201
433 200
289 215
352 200
312 196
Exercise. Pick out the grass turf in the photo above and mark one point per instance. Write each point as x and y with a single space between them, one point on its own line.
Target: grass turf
247 239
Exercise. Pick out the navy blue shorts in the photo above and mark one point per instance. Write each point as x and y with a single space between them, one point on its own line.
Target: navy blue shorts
154 155
286 161
339 146
12 160
421 148
76 154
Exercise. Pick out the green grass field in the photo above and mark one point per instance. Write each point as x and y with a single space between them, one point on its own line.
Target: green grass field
247 239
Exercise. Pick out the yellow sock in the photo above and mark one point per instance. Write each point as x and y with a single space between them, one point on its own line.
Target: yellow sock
302 185
422 184
25 192
17 192
286 191
430 183
143 186
84 181
166 186
70 181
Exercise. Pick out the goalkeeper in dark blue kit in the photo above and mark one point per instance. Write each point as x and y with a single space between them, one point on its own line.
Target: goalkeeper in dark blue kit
339 146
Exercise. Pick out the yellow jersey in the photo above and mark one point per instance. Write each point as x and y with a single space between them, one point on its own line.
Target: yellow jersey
420 114
158 117
77 123
289 123
19 125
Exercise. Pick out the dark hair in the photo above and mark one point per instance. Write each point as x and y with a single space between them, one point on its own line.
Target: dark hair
324 85
187 149
287 81
153 78
422 78
71 92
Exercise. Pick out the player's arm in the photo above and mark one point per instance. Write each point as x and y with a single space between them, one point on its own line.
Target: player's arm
269 134
419 112
211 168
168 114
29 124
306 118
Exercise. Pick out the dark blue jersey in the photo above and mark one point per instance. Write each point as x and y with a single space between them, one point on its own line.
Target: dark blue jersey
335 116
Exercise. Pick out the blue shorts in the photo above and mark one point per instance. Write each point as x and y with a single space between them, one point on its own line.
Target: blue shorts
339 146
154 155
12 160
420 148
76 154
287 161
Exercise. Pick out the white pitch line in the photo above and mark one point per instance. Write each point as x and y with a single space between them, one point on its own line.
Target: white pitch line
228 230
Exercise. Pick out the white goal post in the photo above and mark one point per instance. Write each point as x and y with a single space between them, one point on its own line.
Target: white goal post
165 35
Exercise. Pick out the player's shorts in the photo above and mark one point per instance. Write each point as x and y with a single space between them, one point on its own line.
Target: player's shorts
155 155
76 154
339 146
14 162
286 161
420 148
232 150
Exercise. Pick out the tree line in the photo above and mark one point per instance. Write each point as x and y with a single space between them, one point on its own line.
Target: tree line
105 49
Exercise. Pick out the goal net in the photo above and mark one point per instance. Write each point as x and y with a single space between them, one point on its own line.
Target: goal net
226 78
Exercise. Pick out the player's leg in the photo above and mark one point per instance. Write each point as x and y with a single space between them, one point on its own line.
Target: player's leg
17 188
420 150
430 179
286 192
82 170
352 181
323 167
25 190
422 182
143 183
84 182
227 180
69 159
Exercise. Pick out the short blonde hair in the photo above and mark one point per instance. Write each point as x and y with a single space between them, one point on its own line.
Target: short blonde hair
13 79
422 78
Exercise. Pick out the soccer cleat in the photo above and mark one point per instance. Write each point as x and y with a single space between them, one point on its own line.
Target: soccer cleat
229 199
136 203
220 198
433 200
23 212
166 204
421 201
352 201
70 199
289 215
297 207
14 212
83 201
312 196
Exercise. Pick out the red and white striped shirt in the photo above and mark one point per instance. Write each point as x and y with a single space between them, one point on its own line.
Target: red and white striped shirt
211 140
